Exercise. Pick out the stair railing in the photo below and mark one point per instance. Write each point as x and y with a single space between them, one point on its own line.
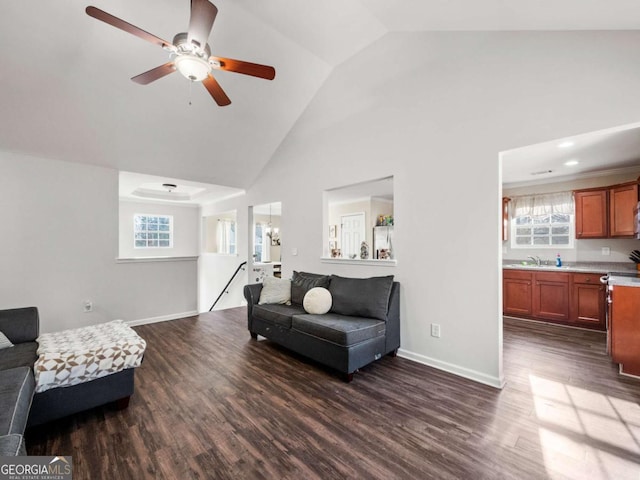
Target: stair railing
224 290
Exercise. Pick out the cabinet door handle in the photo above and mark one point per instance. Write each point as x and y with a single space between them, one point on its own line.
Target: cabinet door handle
588 280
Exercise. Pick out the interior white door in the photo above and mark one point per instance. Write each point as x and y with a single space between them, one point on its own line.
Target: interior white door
352 234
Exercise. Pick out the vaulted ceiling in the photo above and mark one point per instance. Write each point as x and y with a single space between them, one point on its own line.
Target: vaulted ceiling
66 93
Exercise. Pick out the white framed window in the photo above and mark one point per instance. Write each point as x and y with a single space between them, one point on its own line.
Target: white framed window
543 221
258 242
547 231
261 243
152 231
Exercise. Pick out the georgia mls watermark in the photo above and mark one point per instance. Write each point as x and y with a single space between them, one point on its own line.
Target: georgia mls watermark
36 468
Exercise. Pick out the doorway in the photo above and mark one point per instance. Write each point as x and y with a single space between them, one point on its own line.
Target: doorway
265 246
352 234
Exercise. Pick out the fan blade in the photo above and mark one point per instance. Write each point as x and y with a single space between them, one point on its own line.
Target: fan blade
154 74
246 68
203 13
216 91
127 27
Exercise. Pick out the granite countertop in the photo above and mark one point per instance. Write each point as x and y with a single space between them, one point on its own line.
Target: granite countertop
625 281
590 267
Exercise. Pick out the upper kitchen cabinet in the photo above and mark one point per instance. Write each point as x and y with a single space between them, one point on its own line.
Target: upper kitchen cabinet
622 202
591 213
606 212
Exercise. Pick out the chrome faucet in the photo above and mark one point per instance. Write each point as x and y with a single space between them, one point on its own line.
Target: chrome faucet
535 259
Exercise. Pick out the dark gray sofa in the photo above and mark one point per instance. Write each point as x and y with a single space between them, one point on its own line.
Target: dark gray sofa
342 342
20 406
17 383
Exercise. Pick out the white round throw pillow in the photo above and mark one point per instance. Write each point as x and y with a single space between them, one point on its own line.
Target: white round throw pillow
317 301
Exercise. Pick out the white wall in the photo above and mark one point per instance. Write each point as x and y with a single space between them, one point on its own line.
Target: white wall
59 245
435 114
589 250
186 229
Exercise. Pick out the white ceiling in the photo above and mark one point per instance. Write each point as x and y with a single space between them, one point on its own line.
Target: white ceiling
610 150
66 93
274 209
149 188
381 188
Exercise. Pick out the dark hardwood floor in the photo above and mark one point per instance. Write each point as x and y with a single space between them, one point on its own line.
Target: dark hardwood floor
211 403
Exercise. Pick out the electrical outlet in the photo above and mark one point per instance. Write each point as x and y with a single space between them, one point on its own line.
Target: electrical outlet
294 251
606 251
435 330
88 306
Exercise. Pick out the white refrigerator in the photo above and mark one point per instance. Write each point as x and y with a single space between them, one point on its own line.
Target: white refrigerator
383 243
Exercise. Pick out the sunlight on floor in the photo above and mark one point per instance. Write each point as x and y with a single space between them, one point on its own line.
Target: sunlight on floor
584 434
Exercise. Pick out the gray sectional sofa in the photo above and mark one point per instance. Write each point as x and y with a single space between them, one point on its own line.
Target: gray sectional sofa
362 326
20 407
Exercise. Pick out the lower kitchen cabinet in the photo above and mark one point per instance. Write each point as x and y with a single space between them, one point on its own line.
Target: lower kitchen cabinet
588 303
551 296
516 292
575 299
625 328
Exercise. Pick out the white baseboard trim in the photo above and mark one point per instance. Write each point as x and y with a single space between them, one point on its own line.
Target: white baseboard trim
161 318
452 368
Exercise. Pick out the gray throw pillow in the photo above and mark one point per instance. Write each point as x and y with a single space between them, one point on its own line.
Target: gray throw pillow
275 290
4 341
302 282
361 297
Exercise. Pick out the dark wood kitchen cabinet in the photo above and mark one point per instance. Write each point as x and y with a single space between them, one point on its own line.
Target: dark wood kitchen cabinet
551 296
591 213
587 301
625 328
505 218
606 212
574 299
516 292
623 199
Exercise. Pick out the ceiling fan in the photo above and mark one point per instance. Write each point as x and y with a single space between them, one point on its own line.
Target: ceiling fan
189 52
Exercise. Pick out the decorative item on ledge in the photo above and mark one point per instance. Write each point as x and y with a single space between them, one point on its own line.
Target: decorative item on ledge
384 220
364 251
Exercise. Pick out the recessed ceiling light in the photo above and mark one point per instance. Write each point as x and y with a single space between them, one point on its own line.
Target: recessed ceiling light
566 144
571 163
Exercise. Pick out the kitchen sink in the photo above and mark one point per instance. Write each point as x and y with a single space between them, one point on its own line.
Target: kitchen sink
533 265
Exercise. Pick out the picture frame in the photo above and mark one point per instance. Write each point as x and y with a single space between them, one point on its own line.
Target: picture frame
332 231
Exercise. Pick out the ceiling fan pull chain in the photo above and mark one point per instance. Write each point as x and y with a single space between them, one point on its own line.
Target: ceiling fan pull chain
190 90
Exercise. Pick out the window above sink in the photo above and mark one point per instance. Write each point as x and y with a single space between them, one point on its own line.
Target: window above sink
543 221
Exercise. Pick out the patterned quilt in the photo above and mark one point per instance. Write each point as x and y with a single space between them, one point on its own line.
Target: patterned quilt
82 354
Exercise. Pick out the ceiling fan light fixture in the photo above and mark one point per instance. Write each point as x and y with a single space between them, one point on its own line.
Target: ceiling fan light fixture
192 67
